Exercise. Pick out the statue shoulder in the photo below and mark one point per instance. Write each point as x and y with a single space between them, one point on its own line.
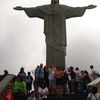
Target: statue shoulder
44 8
65 6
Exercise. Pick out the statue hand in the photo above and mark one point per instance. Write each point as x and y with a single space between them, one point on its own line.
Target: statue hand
91 6
18 8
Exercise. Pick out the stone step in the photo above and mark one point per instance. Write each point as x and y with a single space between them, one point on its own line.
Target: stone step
68 97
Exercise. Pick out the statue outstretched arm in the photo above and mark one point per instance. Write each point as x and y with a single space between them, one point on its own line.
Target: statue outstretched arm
31 11
18 8
90 7
77 11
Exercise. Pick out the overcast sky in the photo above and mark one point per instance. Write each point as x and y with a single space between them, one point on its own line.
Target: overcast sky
22 41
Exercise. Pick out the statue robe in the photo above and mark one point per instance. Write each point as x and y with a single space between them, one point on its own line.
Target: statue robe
54 17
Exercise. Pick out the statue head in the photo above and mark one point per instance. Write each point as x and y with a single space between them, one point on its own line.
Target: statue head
54 1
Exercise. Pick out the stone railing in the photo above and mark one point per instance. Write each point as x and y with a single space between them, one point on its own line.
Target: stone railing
5 82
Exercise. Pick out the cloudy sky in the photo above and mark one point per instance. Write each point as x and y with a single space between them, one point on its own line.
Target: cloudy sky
22 41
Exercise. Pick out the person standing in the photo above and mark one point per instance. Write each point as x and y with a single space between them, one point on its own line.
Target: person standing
29 81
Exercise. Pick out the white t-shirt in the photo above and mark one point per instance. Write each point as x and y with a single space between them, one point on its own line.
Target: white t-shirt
77 75
43 91
94 96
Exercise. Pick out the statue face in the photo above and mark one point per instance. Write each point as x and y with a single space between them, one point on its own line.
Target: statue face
54 1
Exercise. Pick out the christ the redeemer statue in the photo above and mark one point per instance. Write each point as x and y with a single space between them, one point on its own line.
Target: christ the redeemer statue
55 16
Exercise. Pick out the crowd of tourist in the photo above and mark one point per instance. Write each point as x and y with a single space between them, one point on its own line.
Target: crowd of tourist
54 80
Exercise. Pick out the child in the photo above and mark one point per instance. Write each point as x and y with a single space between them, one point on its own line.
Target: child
8 95
32 96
